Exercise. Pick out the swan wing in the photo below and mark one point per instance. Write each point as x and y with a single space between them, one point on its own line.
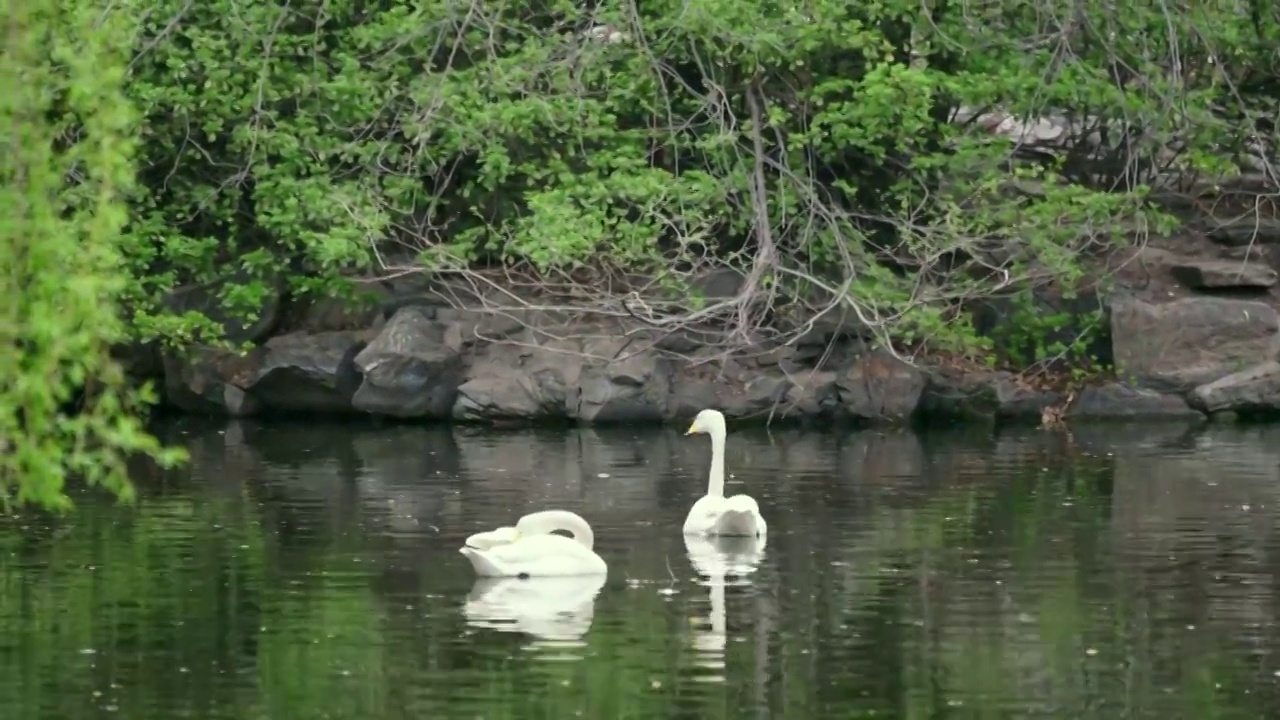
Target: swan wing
537 556
736 516
702 516
491 538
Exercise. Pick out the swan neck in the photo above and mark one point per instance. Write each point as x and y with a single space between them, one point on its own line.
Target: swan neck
715 484
581 531
549 521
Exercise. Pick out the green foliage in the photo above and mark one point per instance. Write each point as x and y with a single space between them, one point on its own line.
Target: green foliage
1034 337
321 139
822 147
63 184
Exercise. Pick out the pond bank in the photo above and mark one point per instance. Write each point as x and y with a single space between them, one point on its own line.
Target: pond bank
1189 325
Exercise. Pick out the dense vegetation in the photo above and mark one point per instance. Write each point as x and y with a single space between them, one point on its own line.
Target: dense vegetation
68 147
834 153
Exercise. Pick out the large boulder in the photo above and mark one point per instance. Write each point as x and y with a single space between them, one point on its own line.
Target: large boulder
1253 390
996 395
872 388
473 327
1120 401
734 388
412 369
1208 274
1179 345
307 372
1246 231
203 381
619 383
878 387
519 381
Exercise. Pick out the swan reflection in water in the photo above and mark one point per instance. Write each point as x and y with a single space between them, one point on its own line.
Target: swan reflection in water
556 611
721 561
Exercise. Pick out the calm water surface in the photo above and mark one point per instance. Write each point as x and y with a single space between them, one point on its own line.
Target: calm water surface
311 571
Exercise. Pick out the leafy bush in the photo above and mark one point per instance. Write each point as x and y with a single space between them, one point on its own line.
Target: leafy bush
63 268
813 146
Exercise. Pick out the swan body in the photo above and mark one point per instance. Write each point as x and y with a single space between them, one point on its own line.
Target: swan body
714 514
531 550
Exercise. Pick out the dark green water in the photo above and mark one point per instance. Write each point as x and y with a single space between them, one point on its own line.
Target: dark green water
311 571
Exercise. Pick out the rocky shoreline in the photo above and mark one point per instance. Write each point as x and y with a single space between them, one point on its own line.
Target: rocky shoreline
1193 331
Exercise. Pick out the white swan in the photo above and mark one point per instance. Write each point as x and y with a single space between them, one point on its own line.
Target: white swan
715 514
558 609
533 551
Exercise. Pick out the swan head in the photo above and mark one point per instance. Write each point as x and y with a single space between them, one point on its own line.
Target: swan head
710 422
492 538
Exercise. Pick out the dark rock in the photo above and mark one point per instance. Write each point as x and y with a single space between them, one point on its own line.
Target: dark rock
1223 274
207 300
1122 402
1247 231
834 325
139 361
682 341
526 382
200 380
880 387
411 369
1240 253
814 395
302 372
1250 391
984 396
1178 345
720 283
635 388
469 327
330 314
801 358
737 391
697 387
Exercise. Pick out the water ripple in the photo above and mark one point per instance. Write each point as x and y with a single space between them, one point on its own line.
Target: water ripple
305 570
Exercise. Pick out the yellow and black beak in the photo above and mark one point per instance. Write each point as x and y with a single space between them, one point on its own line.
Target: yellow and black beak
691 429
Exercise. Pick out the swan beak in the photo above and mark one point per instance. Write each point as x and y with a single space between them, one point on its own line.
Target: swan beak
690 430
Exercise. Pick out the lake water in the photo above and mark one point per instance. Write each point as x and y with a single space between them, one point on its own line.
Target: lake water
311 571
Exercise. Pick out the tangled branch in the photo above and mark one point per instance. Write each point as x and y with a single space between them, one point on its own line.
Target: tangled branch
755 175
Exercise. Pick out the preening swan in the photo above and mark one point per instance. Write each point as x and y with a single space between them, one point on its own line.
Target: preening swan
532 550
715 514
